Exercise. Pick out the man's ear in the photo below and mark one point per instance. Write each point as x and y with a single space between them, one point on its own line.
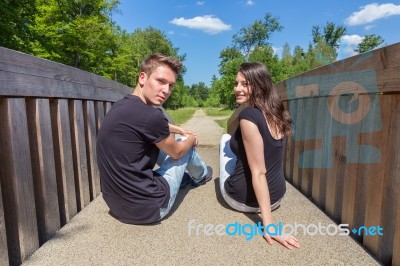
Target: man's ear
142 78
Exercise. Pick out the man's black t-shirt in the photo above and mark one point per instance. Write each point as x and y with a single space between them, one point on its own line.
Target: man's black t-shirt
126 156
239 184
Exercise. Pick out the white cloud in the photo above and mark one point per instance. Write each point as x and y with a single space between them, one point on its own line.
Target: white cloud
249 2
349 43
368 27
372 12
207 23
200 3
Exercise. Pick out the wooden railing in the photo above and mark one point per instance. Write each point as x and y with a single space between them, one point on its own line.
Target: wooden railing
345 150
49 117
344 153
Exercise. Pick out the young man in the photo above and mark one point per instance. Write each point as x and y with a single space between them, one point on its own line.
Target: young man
133 136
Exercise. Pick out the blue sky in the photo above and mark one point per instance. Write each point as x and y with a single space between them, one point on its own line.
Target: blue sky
202 29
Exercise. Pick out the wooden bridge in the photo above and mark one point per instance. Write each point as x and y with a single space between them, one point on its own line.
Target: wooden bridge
343 154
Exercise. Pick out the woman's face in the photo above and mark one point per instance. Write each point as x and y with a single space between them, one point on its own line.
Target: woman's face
242 90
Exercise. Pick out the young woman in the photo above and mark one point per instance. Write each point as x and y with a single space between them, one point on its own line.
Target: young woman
251 178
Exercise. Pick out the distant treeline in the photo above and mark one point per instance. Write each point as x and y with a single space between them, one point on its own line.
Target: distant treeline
82 34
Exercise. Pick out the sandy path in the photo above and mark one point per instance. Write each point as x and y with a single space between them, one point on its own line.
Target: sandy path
208 131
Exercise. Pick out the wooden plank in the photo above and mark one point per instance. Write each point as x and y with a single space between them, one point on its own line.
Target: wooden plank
354 193
16 181
298 145
290 152
385 61
63 159
391 185
334 156
396 242
43 168
107 107
99 109
318 189
375 173
25 85
341 157
353 156
310 112
3 235
286 159
79 154
18 69
90 133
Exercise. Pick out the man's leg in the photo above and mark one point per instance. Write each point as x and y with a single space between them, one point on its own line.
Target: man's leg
173 171
197 168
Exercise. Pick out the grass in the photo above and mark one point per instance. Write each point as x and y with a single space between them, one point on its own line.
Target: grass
221 115
219 112
180 116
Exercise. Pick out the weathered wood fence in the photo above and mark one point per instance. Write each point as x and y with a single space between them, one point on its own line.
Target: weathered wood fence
344 153
345 150
49 117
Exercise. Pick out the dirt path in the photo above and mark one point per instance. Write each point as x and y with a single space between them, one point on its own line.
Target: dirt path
208 131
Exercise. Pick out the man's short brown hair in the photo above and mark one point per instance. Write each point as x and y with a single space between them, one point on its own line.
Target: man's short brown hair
155 60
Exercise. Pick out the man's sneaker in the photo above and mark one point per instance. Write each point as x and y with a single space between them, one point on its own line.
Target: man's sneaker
186 180
205 179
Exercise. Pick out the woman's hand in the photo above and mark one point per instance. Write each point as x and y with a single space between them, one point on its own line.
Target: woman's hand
288 241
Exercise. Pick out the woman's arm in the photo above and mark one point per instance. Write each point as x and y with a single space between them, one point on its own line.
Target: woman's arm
254 146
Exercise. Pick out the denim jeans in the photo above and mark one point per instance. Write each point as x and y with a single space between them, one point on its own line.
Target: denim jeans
227 161
172 170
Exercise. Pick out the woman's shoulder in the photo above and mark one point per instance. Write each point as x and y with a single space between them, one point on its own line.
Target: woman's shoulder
250 112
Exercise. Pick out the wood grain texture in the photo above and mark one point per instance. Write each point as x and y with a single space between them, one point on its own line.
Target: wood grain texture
79 153
391 185
91 133
3 235
25 75
43 167
17 181
375 174
62 144
385 62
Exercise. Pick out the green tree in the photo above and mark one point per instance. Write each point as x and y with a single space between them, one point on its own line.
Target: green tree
16 17
180 97
256 34
227 55
331 35
133 48
368 43
265 54
78 33
320 54
199 92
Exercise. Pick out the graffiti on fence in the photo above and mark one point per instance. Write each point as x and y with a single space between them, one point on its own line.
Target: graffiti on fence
348 105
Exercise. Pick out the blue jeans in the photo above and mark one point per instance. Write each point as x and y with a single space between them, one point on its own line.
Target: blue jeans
173 170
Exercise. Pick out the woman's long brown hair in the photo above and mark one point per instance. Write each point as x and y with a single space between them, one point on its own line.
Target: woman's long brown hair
265 97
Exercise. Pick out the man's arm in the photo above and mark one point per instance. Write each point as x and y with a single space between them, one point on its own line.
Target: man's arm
177 149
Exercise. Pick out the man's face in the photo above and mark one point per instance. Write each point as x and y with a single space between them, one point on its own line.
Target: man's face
157 87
